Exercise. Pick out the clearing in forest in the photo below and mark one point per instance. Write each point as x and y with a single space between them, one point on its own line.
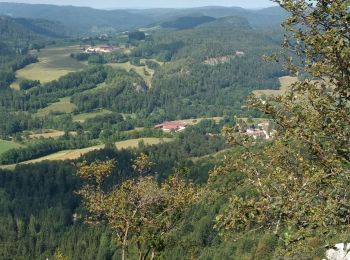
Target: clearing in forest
285 82
145 72
53 64
8 145
75 154
63 106
81 118
49 134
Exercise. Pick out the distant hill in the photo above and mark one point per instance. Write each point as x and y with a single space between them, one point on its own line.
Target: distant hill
187 22
82 20
23 28
230 21
43 27
19 33
78 19
256 18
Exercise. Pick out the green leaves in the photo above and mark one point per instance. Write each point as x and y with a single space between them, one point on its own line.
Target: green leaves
301 179
139 210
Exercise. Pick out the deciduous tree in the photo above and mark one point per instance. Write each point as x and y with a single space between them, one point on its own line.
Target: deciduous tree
299 183
140 211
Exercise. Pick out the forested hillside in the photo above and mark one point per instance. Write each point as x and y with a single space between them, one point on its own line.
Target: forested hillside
84 20
175 139
79 19
18 36
257 18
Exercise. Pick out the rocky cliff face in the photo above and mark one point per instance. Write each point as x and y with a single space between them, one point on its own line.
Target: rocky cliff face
339 252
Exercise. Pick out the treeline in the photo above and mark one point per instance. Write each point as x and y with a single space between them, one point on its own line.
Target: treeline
186 87
41 96
46 214
42 147
10 63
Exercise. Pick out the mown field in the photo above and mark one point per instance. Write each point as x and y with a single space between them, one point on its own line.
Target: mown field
49 133
75 154
84 116
8 145
285 82
139 69
62 106
53 64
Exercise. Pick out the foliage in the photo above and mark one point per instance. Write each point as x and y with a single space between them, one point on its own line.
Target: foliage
27 84
188 22
42 147
139 210
299 182
136 36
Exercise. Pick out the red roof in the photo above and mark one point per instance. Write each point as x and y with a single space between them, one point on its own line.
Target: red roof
174 125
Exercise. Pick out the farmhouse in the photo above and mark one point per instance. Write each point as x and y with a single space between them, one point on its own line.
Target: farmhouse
100 49
240 53
262 132
174 126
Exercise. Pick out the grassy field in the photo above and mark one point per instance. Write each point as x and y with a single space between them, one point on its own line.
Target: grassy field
195 121
53 64
84 116
63 106
198 120
139 69
285 82
218 155
8 145
75 154
49 133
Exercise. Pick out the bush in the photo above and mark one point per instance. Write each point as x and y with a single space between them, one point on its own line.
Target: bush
28 84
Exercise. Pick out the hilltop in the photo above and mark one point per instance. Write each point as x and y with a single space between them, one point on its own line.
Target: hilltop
85 19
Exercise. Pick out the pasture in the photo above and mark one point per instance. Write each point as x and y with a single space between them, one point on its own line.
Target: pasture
285 83
62 106
84 116
77 153
8 145
195 121
49 134
139 70
53 64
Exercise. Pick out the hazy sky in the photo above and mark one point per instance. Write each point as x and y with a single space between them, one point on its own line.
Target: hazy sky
151 3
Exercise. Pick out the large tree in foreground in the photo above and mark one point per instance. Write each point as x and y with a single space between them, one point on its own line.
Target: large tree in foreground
141 212
300 183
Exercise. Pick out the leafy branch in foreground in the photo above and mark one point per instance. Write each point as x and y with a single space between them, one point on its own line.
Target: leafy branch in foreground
140 211
300 182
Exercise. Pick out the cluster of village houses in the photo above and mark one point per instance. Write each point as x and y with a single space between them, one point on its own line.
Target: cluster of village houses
223 59
101 49
261 131
173 126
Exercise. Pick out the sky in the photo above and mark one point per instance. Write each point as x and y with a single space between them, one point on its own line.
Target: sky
116 4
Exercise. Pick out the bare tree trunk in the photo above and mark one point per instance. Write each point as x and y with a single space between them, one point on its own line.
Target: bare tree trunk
146 254
123 252
139 250
125 241
153 254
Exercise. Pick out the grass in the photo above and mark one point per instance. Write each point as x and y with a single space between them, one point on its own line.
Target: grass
195 121
75 154
49 133
285 82
84 116
8 145
139 70
218 155
53 64
198 120
62 106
